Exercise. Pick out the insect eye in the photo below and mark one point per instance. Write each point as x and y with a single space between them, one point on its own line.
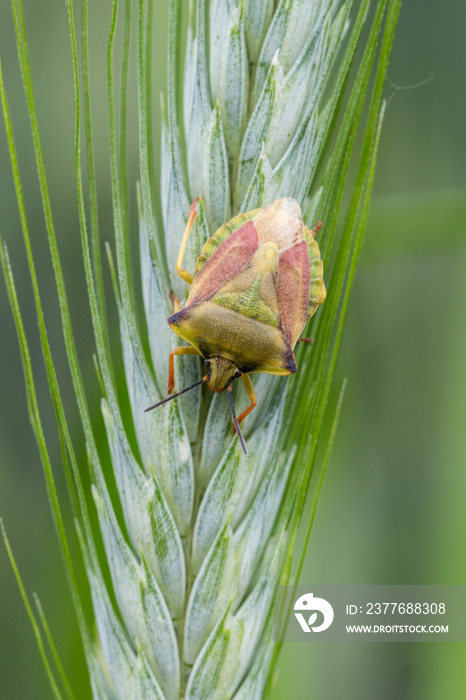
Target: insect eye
238 373
207 363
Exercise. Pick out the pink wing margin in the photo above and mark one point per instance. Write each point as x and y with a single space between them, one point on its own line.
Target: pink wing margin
294 281
227 261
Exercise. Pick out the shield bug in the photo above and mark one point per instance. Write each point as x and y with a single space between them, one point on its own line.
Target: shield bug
256 282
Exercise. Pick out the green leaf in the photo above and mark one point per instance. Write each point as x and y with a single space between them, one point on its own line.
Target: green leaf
155 296
175 209
175 203
251 537
118 654
53 649
101 689
142 393
221 14
210 595
234 484
256 130
217 505
129 476
233 87
303 18
196 106
252 688
216 176
257 17
147 517
161 635
32 618
141 603
218 434
290 99
215 667
264 450
144 685
261 187
272 43
162 437
254 611
188 371
163 550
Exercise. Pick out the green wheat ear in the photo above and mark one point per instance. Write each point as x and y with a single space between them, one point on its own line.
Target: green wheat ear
268 106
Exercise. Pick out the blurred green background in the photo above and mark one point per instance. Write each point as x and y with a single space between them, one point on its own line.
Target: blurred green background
393 507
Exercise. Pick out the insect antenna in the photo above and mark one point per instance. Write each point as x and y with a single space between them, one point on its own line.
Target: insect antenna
235 421
178 393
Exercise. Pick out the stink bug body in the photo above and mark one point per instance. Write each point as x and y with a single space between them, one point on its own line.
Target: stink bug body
257 281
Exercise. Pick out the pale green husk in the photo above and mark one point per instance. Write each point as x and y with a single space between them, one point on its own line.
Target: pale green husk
268 107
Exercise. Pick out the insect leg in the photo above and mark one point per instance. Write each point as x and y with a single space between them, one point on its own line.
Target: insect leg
248 385
314 230
175 300
181 350
184 274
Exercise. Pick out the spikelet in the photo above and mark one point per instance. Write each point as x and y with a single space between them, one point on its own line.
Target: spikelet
203 533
